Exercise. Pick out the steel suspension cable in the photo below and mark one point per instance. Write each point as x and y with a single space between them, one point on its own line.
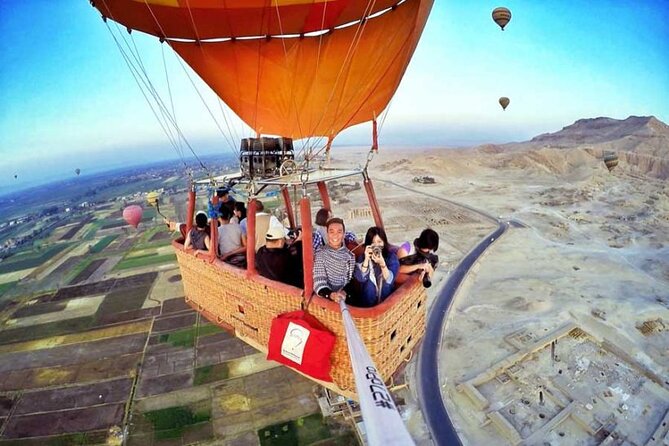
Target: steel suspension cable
159 101
146 98
169 89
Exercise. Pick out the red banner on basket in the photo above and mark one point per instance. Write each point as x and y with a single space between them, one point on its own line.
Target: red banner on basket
300 341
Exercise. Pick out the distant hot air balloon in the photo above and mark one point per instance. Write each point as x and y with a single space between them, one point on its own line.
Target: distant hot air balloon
133 215
501 16
77 171
15 176
611 160
153 198
504 102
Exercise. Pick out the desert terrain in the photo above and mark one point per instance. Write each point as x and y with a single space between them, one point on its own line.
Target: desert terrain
591 268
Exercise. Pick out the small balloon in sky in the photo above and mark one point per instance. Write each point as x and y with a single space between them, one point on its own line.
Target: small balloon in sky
504 102
501 16
77 171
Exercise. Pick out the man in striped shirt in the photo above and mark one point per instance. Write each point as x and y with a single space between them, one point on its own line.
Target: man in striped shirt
333 264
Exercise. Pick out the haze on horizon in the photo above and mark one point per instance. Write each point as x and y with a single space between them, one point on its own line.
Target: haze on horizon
68 99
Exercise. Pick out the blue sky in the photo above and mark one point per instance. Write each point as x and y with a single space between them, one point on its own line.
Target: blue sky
68 100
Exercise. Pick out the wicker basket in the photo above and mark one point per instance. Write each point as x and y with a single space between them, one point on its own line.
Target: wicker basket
246 305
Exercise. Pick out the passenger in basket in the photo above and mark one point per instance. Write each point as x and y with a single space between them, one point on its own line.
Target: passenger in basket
230 238
224 199
320 231
263 222
333 264
239 213
281 261
420 259
197 238
376 270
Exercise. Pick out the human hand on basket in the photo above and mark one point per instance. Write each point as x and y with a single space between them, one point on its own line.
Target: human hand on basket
336 296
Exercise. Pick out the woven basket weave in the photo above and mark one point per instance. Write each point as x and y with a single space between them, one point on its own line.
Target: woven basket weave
247 304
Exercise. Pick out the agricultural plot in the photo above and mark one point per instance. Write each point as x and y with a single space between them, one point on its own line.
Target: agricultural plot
127 294
103 243
303 431
145 260
124 299
4 287
38 309
65 267
76 228
187 423
109 224
86 272
31 259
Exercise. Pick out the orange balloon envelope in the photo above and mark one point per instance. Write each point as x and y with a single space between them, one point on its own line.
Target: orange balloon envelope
133 215
256 57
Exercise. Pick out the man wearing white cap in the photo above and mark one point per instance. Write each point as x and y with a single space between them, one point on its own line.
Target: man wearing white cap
279 261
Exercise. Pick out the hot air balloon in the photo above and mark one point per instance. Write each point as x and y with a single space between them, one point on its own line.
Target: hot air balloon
286 86
329 78
15 176
501 16
77 171
610 160
504 102
133 215
152 198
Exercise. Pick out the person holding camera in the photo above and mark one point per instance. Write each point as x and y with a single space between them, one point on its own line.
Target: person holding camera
421 259
376 270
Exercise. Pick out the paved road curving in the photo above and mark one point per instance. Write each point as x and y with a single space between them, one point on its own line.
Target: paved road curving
429 390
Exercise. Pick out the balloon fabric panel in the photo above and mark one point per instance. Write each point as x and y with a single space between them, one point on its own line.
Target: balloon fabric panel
207 19
313 86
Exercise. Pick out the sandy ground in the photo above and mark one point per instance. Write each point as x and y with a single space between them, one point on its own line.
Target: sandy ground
595 253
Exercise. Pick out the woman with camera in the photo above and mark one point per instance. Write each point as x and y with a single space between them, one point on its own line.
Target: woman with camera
376 270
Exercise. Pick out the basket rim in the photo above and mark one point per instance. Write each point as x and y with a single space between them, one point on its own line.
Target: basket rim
387 305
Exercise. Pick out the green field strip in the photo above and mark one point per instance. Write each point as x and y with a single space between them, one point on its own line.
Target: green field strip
31 259
148 260
103 243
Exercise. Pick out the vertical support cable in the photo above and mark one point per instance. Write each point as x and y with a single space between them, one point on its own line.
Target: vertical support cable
213 226
307 248
371 196
251 238
375 136
289 206
325 197
191 208
328 146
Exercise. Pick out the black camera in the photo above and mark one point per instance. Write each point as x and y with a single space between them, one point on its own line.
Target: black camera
377 250
294 233
418 259
427 283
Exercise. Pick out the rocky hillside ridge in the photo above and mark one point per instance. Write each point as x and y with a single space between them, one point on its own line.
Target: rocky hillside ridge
600 130
641 142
